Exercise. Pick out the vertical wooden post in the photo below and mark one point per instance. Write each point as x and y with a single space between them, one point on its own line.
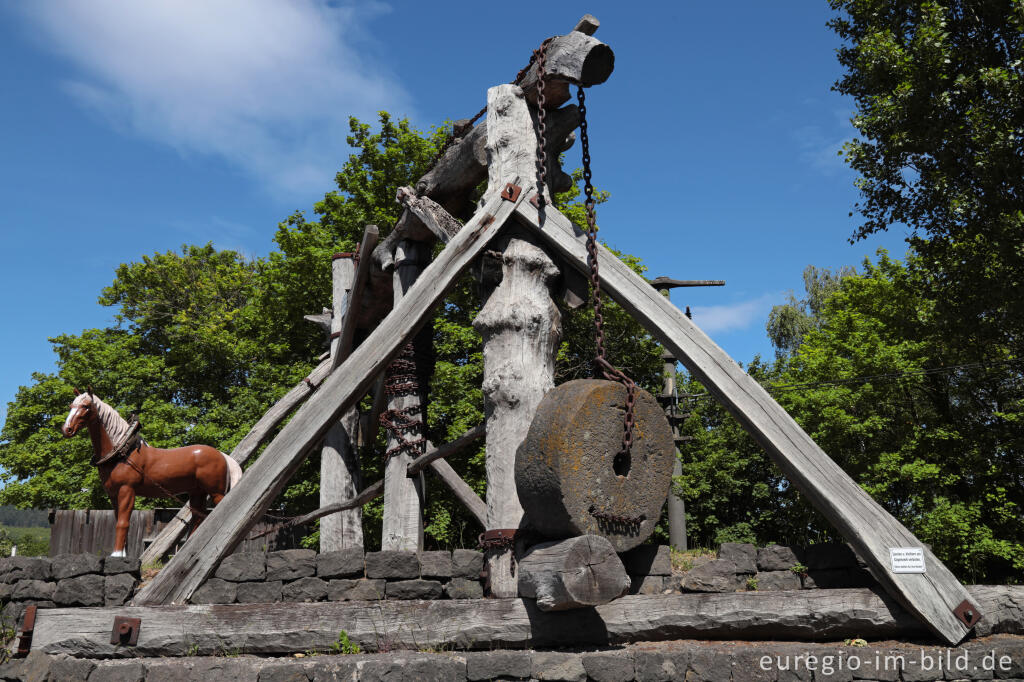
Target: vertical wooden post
339 458
676 505
521 327
403 495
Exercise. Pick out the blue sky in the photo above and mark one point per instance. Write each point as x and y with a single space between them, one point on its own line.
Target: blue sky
131 128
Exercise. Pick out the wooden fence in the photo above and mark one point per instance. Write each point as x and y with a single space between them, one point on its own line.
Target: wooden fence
91 531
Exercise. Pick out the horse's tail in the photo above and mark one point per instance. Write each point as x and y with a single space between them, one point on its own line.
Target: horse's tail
234 473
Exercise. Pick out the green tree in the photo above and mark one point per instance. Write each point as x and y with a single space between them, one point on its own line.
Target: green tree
939 91
791 321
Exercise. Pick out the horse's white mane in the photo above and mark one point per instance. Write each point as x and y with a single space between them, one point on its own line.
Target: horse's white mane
114 424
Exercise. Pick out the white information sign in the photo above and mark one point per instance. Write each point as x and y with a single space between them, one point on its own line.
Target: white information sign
907 559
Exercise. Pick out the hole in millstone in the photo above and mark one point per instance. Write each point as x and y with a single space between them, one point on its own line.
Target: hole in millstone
621 464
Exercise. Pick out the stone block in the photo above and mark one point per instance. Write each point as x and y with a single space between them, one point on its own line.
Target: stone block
27 590
828 555
290 671
343 563
663 666
85 590
464 588
435 564
171 670
746 664
648 560
467 563
304 589
243 567
776 558
502 665
414 589
5 592
776 581
215 591
266 592
743 554
837 578
707 663
715 576
400 667
555 665
73 565
118 589
26 568
609 667
112 565
70 669
291 564
392 565
119 671
364 589
647 584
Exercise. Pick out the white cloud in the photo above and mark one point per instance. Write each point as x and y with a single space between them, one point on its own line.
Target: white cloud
821 151
717 319
266 85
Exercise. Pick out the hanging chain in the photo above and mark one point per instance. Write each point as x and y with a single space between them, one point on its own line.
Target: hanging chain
401 379
540 54
601 364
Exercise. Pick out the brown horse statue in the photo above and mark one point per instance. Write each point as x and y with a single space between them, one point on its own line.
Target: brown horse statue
129 466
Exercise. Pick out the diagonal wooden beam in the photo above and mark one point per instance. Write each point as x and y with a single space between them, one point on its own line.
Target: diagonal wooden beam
932 596
230 520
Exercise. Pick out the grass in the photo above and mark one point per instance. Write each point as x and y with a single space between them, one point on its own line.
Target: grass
683 561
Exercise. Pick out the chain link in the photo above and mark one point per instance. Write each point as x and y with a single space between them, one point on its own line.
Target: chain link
540 54
601 363
610 518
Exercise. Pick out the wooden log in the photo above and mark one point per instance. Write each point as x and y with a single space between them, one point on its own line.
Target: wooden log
933 595
572 573
521 328
164 542
230 520
275 629
339 456
573 58
371 492
403 494
464 165
463 493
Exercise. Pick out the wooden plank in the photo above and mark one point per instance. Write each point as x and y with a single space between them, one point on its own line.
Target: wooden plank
863 522
346 311
228 521
463 493
260 431
282 628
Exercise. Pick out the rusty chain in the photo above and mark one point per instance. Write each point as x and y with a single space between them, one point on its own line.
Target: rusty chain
540 55
601 363
610 518
401 379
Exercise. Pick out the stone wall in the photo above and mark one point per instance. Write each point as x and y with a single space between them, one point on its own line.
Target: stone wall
64 580
740 566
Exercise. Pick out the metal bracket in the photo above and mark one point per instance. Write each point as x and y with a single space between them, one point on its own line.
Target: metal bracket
126 631
511 192
28 625
967 613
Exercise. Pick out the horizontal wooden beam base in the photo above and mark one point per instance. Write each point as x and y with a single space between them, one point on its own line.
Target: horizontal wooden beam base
284 628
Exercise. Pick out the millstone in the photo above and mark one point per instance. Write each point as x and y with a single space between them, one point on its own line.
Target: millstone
570 476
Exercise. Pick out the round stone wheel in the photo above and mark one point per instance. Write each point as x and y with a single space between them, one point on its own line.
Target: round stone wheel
570 474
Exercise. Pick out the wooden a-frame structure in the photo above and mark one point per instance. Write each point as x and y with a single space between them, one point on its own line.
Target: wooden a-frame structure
508 136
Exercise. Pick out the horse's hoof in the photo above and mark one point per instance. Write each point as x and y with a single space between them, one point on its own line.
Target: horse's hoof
120 554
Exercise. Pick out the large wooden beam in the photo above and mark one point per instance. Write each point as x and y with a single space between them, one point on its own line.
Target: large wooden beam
275 629
230 520
932 595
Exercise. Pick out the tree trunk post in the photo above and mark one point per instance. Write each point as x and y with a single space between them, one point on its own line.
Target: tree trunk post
406 393
339 458
521 327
